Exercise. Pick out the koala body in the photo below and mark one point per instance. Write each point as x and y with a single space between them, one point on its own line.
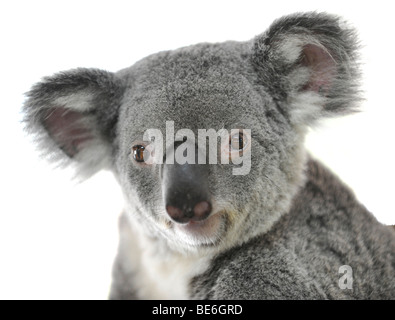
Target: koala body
193 228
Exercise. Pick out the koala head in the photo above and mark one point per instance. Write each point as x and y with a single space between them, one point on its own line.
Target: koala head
257 98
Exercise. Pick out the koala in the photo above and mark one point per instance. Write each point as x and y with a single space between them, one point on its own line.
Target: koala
267 221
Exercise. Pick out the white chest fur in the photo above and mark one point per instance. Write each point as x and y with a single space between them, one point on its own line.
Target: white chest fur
158 274
168 277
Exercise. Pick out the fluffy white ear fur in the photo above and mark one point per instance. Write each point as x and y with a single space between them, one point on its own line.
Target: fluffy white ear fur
80 101
70 116
77 134
315 75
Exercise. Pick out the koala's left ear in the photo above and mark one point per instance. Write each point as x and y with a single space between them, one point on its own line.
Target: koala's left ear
73 115
308 62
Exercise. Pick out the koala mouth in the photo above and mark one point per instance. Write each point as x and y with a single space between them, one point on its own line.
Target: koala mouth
202 226
204 232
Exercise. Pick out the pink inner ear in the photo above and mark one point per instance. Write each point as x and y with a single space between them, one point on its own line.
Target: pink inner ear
323 68
67 128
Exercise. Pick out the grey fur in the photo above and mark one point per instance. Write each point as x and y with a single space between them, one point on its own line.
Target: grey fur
325 218
283 230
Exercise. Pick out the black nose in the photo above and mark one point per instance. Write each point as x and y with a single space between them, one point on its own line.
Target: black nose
186 192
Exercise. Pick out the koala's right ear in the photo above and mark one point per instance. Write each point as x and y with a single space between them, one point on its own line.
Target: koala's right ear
73 116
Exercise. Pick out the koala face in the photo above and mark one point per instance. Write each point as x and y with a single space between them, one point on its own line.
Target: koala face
257 97
217 88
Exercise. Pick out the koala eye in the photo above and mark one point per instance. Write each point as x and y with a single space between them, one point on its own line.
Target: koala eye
238 142
138 153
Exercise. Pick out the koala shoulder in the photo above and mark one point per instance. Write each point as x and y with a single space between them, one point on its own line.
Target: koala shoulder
300 257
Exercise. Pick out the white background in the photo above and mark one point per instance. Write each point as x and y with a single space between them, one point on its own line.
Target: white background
58 239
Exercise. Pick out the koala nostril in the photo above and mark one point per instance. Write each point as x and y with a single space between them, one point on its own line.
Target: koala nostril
175 213
201 210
